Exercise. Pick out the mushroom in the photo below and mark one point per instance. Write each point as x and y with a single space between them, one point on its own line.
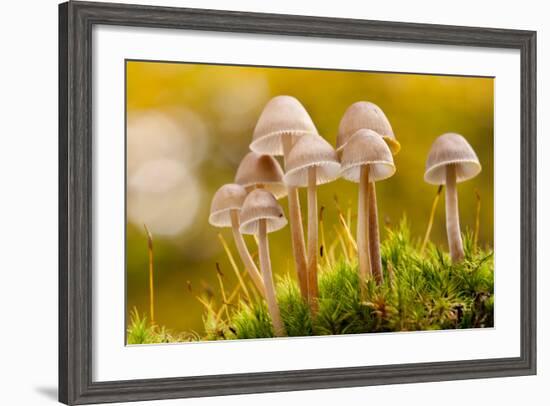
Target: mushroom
366 158
283 120
224 212
367 115
312 161
260 215
263 172
451 160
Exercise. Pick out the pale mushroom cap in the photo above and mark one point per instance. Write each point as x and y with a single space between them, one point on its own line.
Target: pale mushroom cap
228 197
451 148
261 205
256 169
366 147
365 115
283 116
311 151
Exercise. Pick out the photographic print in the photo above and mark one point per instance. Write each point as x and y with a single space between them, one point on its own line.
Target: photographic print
266 202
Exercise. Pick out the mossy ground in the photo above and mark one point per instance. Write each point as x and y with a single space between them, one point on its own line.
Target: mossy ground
421 291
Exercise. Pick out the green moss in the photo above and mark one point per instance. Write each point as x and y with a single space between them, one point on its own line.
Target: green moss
419 292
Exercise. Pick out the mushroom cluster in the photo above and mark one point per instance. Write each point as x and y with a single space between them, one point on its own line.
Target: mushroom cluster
366 145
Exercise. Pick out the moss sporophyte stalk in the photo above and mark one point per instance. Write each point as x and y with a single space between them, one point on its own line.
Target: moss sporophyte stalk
344 284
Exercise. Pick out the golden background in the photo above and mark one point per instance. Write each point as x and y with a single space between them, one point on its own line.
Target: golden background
188 126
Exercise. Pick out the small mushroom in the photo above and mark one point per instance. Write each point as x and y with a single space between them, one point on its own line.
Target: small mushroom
224 212
451 160
367 115
282 122
260 215
263 172
366 158
311 162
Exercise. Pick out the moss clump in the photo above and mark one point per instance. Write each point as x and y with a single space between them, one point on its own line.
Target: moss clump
140 331
420 292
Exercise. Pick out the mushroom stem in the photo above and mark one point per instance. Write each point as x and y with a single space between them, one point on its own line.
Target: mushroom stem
296 228
312 238
374 236
362 231
453 222
265 266
248 262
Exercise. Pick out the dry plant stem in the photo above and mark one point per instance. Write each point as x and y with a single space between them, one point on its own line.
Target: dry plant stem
265 266
431 220
245 254
296 228
234 266
478 212
326 253
224 296
453 222
352 244
374 236
362 231
312 238
151 270
343 245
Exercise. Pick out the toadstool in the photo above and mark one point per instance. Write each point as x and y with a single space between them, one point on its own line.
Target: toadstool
451 160
261 171
312 161
260 215
282 121
367 115
366 158
224 212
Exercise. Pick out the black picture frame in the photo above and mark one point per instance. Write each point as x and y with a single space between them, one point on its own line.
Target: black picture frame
76 20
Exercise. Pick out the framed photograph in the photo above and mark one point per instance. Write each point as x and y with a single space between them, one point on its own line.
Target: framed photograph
260 202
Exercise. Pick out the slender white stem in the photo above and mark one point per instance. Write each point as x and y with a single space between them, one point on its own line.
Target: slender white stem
453 221
248 262
296 227
374 236
362 230
265 266
312 237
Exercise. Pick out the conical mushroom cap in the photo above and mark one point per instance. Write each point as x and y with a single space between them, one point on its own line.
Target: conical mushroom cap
264 170
228 197
283 116
311 151
366 147
365 115
261 205
451 148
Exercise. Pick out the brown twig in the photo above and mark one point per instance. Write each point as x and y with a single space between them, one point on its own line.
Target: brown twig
151 272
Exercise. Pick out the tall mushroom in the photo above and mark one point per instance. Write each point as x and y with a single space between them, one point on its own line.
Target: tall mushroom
282 122
260 215
263 172
366 158
224 212
367 115
451 160
311 162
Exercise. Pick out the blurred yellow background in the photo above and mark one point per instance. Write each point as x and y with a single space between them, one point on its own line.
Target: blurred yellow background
188 126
